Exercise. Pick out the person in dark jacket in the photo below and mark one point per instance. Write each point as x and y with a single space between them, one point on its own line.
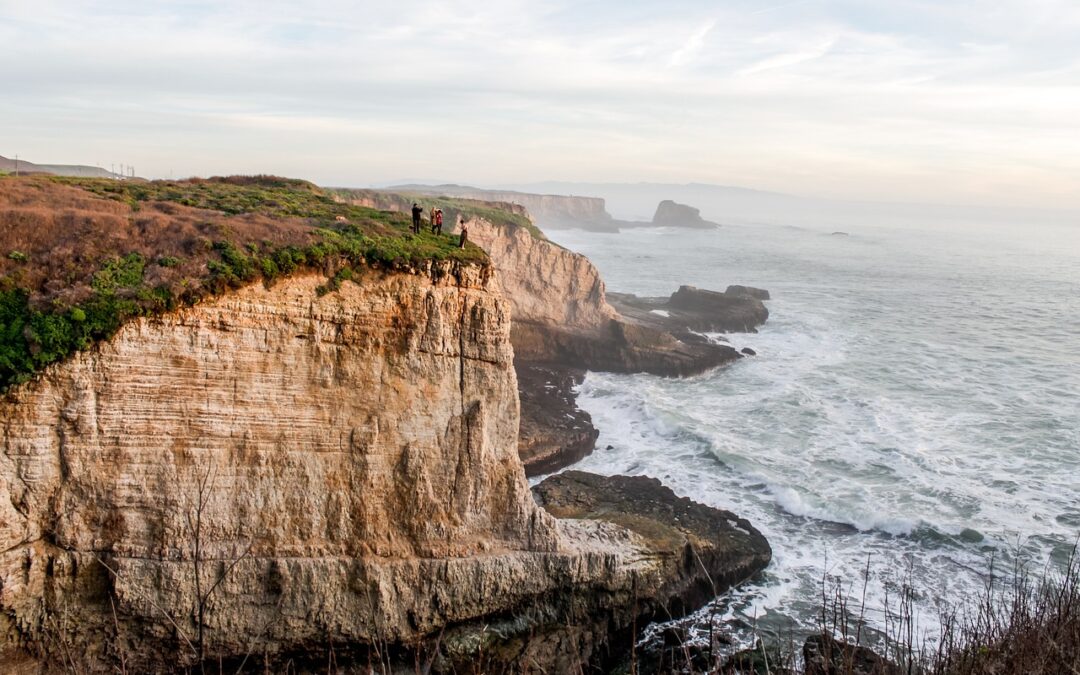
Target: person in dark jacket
416 211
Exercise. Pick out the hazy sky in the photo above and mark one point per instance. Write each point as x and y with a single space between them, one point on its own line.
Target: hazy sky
928 100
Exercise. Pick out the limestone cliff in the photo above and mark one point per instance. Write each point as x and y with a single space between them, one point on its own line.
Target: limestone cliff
284 473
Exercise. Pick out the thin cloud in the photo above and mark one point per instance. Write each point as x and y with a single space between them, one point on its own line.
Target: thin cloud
788 59
801 96
692 45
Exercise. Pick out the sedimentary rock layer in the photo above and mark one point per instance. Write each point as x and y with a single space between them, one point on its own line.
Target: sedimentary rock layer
291 476
378 422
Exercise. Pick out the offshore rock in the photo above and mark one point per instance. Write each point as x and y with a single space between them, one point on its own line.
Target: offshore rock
759 293
673 214
690 310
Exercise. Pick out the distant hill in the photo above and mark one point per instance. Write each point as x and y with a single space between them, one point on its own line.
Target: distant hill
76 170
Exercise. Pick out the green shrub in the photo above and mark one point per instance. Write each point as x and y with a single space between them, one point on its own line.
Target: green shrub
18 256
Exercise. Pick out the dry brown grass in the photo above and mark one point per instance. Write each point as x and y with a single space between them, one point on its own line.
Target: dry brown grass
66 233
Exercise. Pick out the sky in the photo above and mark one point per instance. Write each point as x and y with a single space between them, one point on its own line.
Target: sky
933 101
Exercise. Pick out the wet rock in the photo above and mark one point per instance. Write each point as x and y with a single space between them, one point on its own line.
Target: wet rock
748 351
554 432
691 311
757 660
704 550
825 655
749 291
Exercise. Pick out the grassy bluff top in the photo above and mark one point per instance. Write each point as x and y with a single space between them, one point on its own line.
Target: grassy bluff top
80 256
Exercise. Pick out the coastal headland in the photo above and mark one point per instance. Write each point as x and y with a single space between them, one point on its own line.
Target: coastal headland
251 421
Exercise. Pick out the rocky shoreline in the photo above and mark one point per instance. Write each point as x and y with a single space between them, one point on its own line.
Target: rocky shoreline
660 336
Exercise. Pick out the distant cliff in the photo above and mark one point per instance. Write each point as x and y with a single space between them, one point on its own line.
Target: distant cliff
551 211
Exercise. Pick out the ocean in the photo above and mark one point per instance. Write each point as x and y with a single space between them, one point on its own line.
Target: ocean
913 410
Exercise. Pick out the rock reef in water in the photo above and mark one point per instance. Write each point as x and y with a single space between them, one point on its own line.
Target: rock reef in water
672 214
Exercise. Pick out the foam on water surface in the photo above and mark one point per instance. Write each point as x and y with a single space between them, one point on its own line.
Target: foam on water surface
915 401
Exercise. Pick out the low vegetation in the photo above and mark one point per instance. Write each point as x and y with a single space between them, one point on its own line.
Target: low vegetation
79 257
1022 623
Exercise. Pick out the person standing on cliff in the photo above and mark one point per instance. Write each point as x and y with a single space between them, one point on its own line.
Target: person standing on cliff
436 221
464 232
416 211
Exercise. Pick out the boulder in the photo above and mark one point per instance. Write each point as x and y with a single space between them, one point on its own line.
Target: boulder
747 351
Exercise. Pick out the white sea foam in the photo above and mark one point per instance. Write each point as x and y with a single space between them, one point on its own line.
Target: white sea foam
894 410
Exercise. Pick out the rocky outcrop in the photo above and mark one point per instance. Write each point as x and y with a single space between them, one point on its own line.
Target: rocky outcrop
672 214
749 291
293 476
562 321
728 546
554 431
703 551
695 309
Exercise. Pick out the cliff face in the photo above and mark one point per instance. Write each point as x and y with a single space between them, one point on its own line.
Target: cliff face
544 283
375 423
553 210
282 474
